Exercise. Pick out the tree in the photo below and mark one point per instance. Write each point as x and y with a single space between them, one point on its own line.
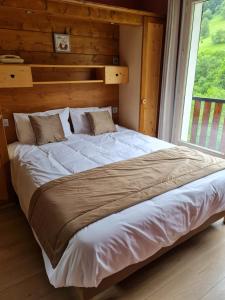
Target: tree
207 14
213 5
219 37
222 9
210 75
205 28
221 75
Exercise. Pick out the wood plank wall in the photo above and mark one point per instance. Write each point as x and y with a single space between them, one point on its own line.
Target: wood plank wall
27 30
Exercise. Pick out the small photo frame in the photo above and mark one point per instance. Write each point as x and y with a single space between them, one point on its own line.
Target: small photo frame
62 42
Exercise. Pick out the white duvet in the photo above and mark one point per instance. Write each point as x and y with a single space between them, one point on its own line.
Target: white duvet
111 244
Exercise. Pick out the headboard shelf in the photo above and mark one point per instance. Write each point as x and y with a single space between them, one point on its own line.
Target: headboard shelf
65 66
27 75
67 81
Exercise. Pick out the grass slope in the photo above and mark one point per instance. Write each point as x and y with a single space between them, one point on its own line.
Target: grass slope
206 45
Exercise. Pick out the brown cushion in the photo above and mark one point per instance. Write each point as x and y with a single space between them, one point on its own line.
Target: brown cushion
101 122
47 129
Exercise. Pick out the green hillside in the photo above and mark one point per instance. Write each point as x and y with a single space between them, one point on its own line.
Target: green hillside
210 72
206 44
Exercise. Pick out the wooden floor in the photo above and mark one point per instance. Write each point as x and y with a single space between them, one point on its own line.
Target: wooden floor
195 270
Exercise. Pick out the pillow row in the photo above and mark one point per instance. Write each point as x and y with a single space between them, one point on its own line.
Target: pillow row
81 124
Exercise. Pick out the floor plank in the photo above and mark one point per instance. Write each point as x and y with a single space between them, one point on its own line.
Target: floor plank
193 271
217 292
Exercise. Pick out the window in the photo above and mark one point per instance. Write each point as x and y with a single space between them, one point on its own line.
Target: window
199 119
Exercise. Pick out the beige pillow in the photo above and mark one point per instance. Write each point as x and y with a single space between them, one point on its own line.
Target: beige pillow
101 122
47 129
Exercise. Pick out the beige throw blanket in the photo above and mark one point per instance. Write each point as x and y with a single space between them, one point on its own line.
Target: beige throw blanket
62 207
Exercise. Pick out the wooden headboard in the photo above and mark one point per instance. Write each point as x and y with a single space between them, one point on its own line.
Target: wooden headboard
39 98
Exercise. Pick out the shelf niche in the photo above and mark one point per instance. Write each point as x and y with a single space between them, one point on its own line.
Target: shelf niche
61 74
64 74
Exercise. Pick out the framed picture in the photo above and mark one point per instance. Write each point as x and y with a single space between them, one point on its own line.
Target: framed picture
62 42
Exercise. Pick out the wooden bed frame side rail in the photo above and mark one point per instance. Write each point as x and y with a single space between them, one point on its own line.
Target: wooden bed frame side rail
5 180
88 293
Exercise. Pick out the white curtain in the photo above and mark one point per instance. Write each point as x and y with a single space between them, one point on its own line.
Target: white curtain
169 70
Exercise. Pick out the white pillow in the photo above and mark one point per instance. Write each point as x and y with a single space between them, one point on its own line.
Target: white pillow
24 130
80 121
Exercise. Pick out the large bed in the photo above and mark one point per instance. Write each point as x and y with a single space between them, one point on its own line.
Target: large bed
126 238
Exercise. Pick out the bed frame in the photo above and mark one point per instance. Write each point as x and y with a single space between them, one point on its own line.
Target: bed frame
8 135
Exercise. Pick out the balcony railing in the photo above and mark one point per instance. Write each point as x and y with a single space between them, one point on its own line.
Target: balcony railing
207 123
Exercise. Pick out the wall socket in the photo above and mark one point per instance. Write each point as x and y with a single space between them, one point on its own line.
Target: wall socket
5 122
115 110
116 60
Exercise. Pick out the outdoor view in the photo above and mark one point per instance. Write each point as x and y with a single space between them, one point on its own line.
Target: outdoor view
206 127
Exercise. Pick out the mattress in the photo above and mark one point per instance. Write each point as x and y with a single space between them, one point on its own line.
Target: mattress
128 237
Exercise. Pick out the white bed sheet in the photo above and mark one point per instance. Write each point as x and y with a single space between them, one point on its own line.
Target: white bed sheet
100 249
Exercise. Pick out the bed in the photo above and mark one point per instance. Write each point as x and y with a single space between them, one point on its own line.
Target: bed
97 255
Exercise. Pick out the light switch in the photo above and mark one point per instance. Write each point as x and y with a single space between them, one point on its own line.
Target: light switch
5 122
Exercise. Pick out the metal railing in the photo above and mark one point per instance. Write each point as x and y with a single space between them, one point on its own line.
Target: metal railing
207 123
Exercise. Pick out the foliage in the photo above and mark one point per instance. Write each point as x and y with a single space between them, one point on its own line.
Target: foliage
212 5
205 28
207 14
221 75
222 9
219 37
210 73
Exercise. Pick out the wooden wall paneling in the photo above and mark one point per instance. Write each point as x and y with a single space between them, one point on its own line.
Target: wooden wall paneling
22 19
151 76
25 40
40 41
58 58
28 4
